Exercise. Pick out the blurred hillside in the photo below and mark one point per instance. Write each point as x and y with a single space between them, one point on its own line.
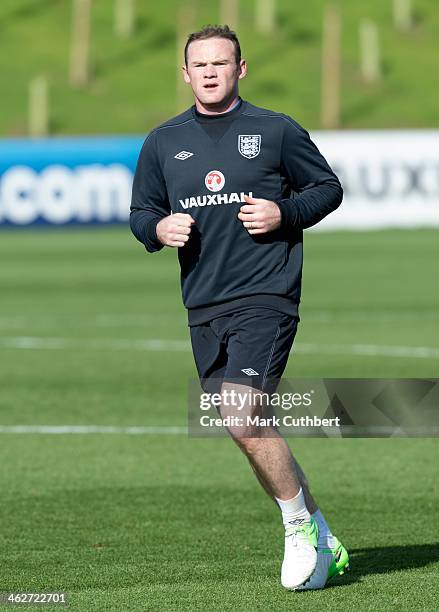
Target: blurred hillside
133 86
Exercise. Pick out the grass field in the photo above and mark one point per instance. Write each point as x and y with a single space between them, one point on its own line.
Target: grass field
134 80
163 522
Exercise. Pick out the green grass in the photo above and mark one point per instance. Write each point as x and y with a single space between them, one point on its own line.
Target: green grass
134 523
134 81
170 523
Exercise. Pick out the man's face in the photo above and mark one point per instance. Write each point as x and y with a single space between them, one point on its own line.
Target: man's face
212 72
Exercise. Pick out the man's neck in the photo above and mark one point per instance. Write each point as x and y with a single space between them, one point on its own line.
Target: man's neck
223 107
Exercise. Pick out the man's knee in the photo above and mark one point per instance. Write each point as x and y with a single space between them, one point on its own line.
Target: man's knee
248 415
251 441
249 446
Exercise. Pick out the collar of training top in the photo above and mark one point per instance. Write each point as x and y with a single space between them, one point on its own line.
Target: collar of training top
231 114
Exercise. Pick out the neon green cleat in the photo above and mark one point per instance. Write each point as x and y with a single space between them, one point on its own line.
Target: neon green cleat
340 563
330 562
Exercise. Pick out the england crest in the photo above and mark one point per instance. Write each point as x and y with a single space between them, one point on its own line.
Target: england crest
249 145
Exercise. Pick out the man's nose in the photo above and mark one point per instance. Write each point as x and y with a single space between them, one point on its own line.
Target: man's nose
210 71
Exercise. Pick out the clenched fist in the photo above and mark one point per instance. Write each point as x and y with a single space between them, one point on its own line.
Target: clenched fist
260 216
174 230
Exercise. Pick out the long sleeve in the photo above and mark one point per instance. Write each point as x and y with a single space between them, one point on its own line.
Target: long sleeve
317 189
149 202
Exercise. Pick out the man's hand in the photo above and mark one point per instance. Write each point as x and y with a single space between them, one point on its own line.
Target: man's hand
174 230
260 216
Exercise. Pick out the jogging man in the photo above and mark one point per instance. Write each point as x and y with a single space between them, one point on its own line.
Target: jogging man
233 186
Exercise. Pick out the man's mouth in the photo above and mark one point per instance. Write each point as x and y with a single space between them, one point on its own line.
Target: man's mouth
211 86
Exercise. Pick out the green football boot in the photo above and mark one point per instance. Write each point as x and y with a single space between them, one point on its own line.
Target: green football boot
330 562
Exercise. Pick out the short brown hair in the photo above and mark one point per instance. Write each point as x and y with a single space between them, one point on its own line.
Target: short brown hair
215 31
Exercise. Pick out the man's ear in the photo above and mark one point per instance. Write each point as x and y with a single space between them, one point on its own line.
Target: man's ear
242 70
186 76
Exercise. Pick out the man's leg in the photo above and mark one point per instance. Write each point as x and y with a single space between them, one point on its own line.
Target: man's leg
332 557
281 475
270 458
309 499
303 481
268 453
262 339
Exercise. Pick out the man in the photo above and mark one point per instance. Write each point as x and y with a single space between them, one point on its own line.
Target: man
232 186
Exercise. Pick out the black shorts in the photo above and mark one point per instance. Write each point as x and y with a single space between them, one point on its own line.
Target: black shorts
248 347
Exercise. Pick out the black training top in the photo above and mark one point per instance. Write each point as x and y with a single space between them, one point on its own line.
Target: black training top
203 165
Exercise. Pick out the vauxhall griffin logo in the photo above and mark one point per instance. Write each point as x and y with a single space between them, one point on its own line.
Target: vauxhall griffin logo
249 145
214 180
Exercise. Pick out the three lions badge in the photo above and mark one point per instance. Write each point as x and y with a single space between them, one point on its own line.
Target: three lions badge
249 145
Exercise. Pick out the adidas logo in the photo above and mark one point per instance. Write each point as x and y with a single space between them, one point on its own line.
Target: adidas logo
183 155
250 372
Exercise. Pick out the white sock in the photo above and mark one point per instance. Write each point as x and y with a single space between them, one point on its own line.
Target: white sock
326 539
293 510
